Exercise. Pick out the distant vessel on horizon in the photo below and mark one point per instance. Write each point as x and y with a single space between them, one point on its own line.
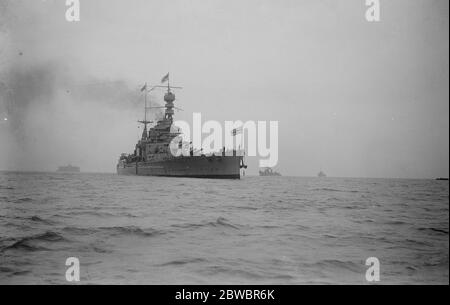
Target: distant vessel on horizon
269 172
321 174
68 169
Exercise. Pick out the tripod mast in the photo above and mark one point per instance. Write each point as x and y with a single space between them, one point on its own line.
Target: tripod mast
145 122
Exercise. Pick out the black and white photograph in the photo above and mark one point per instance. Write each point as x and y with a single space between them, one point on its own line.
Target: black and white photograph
224 143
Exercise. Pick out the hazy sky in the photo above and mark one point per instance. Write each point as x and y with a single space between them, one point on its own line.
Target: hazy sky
352 98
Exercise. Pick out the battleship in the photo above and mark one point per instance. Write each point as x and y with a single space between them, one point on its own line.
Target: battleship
269 172
68 169
152 154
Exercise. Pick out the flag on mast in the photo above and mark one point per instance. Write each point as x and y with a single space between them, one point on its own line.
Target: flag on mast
236 131
144 88
165 78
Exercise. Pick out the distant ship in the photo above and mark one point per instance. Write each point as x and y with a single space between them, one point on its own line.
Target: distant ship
321 174
269 172
68 169
152 154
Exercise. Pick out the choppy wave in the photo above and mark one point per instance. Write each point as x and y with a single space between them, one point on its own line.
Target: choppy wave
336 265
435 230
113 231
23 200
327 189
147 230
32 243
129 230
219 222
183 262
5 187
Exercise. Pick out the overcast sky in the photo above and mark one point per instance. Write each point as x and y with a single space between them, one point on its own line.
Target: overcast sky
352 98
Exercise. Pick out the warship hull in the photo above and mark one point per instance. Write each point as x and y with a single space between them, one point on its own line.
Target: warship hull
220 167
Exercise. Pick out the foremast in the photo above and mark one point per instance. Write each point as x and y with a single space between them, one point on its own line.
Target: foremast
145 122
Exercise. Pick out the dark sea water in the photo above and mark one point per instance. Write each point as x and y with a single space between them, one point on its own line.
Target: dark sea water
259 230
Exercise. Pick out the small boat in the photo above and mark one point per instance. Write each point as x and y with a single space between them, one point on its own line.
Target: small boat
321 174
269 172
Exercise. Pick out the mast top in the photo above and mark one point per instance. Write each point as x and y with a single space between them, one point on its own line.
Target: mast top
169 97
